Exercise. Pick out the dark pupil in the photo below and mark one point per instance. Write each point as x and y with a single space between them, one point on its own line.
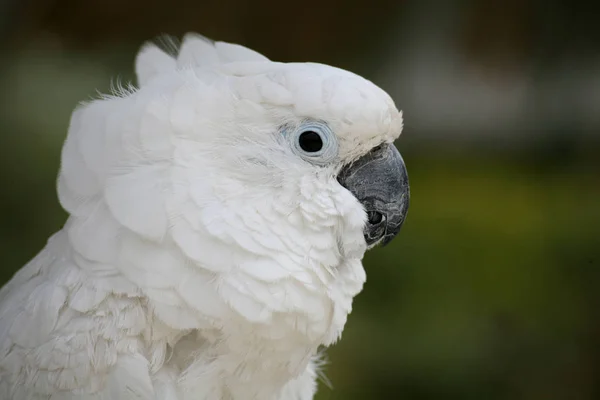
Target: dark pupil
374 217
310 141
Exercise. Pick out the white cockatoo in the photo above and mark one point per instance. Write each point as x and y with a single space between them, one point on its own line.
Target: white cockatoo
219 214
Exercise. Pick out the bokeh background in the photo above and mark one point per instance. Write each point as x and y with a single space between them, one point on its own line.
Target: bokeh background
491 291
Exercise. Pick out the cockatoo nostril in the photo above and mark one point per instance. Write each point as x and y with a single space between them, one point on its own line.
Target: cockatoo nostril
375 217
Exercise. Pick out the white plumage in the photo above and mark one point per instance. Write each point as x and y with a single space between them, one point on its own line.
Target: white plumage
203 259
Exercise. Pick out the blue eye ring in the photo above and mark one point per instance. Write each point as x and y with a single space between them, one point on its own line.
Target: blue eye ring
313 141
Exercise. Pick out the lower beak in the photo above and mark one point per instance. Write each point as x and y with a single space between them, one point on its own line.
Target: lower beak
379 181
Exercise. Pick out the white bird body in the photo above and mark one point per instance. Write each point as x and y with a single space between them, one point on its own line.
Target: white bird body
202 259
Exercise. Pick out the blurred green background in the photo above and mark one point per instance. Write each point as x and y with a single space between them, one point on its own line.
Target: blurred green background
491 289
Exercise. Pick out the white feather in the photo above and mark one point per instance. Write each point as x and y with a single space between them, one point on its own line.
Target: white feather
152 61
197 51
229 52
202 259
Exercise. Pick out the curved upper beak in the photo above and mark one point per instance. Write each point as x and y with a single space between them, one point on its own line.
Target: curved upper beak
379 181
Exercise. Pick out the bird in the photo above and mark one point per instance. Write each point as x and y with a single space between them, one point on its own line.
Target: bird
218 215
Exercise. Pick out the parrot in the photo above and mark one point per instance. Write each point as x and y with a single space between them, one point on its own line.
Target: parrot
218 215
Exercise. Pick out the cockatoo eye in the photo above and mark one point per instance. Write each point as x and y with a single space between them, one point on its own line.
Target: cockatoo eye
310 141
314 142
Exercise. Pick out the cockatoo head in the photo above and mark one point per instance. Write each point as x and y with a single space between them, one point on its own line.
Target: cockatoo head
272 179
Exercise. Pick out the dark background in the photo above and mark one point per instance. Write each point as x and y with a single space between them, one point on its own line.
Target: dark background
491 289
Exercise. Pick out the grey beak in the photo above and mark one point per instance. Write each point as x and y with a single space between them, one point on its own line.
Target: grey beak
380 183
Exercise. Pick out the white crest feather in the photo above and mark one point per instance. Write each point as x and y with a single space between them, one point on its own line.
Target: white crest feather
151 61
195 51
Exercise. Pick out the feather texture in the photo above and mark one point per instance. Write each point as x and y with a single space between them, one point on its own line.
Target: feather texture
202 258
